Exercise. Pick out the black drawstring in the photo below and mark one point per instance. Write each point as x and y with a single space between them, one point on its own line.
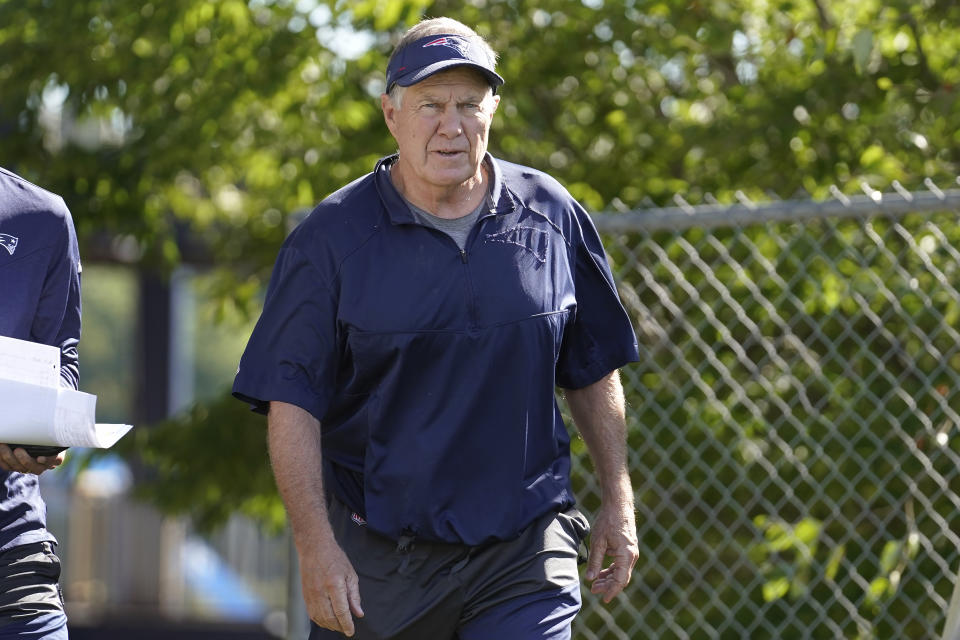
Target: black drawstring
405 543
405 546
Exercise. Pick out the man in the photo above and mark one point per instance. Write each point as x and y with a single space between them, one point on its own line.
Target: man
40 290
423 315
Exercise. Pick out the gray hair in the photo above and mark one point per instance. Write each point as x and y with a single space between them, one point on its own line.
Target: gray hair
433 27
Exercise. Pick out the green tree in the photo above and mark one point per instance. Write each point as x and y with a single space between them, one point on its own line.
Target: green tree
224 117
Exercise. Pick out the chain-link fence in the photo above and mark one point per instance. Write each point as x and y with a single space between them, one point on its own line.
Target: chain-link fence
793 419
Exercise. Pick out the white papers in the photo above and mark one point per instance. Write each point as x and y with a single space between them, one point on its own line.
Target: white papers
35 409
29 362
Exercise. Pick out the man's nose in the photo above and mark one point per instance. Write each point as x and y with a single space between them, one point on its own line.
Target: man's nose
450 125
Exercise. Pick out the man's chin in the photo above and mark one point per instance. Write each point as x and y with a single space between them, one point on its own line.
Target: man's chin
452 176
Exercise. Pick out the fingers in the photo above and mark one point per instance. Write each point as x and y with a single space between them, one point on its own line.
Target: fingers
608 584
598 549
335 605
611 580
324 616
54 462
341 609
19 460
353 595
7 461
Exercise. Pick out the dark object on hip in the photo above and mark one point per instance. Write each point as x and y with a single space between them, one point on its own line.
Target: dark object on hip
37 450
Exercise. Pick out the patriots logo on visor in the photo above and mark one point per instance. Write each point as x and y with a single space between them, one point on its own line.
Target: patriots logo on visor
446 41
9 242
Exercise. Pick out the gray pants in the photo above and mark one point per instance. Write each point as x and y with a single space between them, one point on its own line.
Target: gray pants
31 605
522 589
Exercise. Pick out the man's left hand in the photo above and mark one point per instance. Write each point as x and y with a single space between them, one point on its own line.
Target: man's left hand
20 460
613 534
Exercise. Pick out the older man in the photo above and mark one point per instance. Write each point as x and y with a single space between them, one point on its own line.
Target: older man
414 331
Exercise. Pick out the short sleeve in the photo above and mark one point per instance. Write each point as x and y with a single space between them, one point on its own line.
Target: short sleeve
292 353
599 338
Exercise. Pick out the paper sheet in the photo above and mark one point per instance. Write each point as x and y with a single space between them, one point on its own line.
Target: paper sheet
106 435
29 362
35 414
27 415
35 409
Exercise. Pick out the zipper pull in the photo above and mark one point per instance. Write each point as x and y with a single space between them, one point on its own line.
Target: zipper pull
405 543
463 255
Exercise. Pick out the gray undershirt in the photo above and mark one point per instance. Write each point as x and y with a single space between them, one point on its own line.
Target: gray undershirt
456 228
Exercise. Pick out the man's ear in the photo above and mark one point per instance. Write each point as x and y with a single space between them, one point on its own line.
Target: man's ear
389 111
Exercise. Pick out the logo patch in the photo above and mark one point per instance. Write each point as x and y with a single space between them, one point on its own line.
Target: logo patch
358 520
531 239
454 43
9 242
439 42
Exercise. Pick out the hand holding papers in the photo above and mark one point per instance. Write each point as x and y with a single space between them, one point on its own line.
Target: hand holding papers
36 410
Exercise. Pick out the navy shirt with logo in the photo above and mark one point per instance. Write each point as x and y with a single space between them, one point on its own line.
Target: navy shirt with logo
432 369
40 302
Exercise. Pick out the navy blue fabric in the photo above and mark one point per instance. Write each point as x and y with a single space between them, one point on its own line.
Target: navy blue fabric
424 57
47 626
546 615
431 370
40 290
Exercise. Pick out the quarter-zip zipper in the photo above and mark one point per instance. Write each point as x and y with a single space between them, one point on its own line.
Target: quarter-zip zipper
473 311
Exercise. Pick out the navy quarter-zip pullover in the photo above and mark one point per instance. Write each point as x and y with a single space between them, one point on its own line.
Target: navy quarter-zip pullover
432 369
40 302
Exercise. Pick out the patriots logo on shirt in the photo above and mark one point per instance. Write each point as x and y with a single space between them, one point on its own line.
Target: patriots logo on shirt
9 242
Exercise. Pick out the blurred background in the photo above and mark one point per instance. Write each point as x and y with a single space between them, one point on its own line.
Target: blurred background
792 480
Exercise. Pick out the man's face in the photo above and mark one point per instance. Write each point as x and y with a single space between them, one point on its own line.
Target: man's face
441 127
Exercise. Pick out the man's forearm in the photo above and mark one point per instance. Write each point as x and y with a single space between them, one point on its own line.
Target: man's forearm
598 412
295 455
330 584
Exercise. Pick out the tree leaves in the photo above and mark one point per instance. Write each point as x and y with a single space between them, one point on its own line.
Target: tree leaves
165 103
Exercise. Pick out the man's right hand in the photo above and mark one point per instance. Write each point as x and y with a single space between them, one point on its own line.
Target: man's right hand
330 588
19 460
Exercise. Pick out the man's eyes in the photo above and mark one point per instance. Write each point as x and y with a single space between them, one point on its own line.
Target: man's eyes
462 105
